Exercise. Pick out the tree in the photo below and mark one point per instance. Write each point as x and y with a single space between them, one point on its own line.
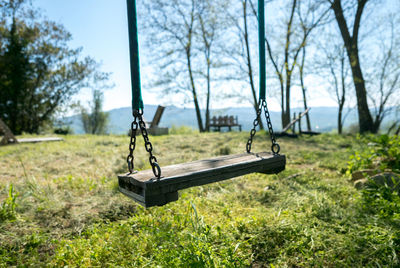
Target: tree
366 123
210 23
95 121
38 72
304 18
303 87
240 51
333 67
172 26
384 73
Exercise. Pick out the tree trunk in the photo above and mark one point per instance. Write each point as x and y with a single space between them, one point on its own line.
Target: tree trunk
342 99
281 83
207 54
249 65
376 125
195 99
294 125
351 43
208 94
364 116
286 110
391 128
303 88
286 114
340 123
397 131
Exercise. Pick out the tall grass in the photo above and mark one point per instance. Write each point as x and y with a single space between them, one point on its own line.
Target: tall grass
69 212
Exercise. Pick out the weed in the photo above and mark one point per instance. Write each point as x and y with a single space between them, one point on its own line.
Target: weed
225 150
7 207
381 200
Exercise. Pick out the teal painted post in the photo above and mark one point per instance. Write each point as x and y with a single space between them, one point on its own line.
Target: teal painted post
261 48
137 102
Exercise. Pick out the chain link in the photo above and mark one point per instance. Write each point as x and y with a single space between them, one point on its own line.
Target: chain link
275 148
132 145
253 131
138 115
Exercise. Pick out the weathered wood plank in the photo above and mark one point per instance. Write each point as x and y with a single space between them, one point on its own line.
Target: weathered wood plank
34 140
295 120
144 188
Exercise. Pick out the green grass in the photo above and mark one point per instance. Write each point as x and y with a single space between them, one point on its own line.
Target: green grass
64 208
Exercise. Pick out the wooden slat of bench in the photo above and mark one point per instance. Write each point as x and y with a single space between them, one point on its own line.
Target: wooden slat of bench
177 177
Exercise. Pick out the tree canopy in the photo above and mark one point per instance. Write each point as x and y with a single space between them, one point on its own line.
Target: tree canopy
39 72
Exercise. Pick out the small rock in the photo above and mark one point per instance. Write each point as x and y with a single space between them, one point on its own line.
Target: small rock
361 174
390 179
360 184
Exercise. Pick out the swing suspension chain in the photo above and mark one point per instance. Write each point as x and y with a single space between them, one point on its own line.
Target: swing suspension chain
132 145
253 130
275 148
138 115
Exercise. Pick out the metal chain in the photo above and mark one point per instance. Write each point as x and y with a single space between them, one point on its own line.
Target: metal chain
253 131
275 148
132 145
138 114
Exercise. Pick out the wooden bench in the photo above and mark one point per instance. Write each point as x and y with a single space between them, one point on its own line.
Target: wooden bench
148 191
225 121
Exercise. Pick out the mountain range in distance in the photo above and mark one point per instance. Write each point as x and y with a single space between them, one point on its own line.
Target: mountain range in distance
323 119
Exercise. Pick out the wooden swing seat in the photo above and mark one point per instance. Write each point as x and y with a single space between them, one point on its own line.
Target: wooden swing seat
144 188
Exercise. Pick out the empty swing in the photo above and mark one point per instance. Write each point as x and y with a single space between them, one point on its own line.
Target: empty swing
156 186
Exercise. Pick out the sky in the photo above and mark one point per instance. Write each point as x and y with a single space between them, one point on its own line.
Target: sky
101 28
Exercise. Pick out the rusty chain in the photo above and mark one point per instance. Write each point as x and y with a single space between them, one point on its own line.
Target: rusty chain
275 148
138 115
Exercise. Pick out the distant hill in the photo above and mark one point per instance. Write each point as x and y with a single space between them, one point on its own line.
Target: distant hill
323 119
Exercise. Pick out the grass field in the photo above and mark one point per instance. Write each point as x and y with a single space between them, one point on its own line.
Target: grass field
60 206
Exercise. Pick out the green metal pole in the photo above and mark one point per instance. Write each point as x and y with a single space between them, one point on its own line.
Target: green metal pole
137 102
261 46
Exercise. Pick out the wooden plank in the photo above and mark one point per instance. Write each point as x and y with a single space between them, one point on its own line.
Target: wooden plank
311 133
157 131
157 116
147 190
35 140
295 120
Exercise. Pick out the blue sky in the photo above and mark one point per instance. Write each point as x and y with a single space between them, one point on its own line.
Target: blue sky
100 27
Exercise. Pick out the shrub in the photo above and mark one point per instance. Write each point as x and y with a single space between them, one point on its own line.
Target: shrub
381 153
378 152
66 130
